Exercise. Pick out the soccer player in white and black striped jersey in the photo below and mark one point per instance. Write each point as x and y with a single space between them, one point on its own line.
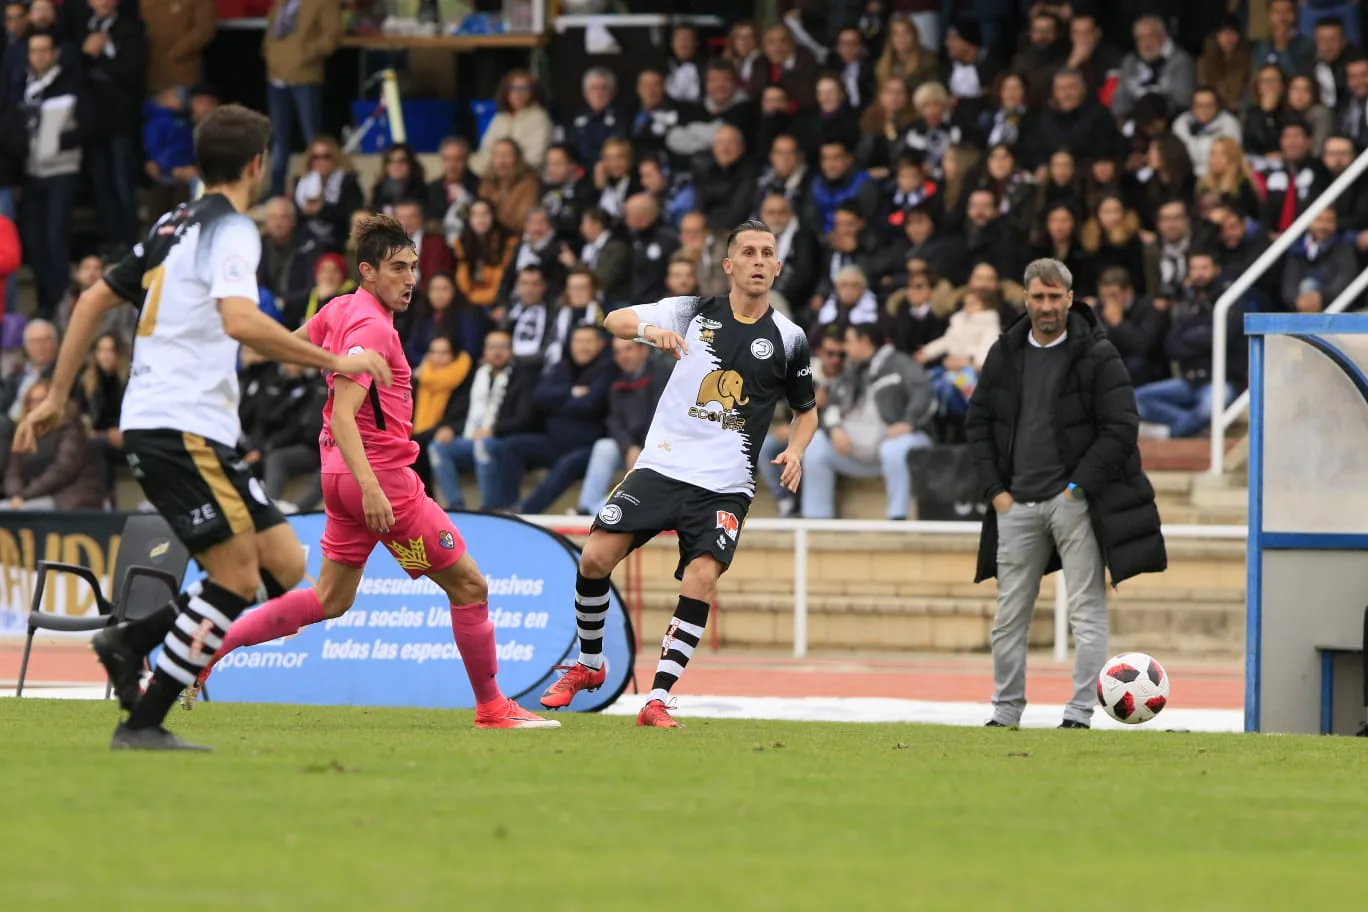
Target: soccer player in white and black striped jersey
695 474
194 281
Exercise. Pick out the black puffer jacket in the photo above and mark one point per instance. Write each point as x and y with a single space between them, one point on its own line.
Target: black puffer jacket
1096 424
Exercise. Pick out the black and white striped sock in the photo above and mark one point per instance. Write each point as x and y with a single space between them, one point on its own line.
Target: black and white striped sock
591 612
686 630
188 649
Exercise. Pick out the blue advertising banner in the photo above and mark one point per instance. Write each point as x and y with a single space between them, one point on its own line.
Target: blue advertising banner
395 648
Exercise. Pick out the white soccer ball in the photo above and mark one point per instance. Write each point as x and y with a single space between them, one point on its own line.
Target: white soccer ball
1132 688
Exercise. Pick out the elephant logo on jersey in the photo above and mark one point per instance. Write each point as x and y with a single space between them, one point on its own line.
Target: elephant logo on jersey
723 387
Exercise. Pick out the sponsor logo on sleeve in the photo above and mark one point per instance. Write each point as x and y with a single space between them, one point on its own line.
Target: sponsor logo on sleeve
235 269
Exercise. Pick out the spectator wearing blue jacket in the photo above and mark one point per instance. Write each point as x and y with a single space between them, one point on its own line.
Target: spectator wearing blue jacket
841 182
169 137
572 402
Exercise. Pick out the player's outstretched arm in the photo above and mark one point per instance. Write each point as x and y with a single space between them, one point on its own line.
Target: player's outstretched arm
628 324
244 321
84 325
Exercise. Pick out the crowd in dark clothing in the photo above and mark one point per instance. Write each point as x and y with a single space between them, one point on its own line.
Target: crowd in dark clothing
911 157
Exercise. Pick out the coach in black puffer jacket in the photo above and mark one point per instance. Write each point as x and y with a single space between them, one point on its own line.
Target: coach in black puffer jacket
1096 423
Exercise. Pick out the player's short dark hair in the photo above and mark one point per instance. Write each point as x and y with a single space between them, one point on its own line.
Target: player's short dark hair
227 140
869 331
747 225
379 237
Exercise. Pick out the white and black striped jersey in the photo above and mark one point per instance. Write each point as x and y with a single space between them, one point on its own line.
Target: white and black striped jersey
720 399
184 372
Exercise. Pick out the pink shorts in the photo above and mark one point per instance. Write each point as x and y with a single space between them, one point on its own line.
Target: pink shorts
422 539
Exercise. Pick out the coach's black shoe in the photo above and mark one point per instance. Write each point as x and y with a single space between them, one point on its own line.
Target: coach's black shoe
1362 732
1070 723
994 723
123 665
150 739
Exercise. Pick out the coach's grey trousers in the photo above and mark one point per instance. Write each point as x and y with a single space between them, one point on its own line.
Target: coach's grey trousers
1026 535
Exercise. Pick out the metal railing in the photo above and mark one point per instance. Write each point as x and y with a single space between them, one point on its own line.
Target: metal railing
800 529
1223 416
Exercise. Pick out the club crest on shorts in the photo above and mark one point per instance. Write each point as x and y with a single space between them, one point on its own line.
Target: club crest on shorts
446 539
762 348
610 515
727 523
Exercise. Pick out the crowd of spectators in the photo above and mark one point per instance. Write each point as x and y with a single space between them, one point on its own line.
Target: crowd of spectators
909 163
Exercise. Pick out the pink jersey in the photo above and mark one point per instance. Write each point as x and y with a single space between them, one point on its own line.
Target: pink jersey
346 325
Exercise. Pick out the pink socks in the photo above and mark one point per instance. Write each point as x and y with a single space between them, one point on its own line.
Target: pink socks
474 633
279 617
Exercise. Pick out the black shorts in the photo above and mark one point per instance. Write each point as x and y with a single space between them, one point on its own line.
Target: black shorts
202 488
647 503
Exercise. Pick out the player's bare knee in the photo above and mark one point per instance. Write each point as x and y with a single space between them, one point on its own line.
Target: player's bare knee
245 582
286 565
333 605
599 558
700 578
467 588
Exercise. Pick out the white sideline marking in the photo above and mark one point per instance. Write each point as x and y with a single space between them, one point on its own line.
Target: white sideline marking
837 709
879 709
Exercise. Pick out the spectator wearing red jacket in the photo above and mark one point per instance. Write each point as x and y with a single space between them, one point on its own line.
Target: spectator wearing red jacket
11 255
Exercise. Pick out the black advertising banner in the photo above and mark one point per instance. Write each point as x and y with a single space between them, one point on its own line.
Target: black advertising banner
87 538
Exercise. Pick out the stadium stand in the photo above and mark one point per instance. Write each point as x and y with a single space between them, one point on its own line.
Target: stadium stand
912 155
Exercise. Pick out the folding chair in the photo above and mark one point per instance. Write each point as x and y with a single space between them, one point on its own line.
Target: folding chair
149 571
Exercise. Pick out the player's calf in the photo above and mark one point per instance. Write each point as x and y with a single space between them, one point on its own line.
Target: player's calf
685 631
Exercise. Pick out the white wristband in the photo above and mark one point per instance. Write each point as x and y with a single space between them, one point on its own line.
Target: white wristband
641 329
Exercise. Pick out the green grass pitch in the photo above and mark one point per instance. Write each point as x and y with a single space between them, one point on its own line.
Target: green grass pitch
337 808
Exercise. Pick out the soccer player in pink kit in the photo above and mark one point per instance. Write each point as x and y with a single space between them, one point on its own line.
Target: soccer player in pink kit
370 492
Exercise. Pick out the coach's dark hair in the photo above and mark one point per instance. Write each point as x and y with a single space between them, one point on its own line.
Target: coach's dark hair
227 140
379 237
747 225
869 331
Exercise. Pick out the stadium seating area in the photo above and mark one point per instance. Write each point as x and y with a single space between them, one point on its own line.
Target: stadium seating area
911 157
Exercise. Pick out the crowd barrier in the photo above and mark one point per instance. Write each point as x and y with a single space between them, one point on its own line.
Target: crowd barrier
517 555
801 529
